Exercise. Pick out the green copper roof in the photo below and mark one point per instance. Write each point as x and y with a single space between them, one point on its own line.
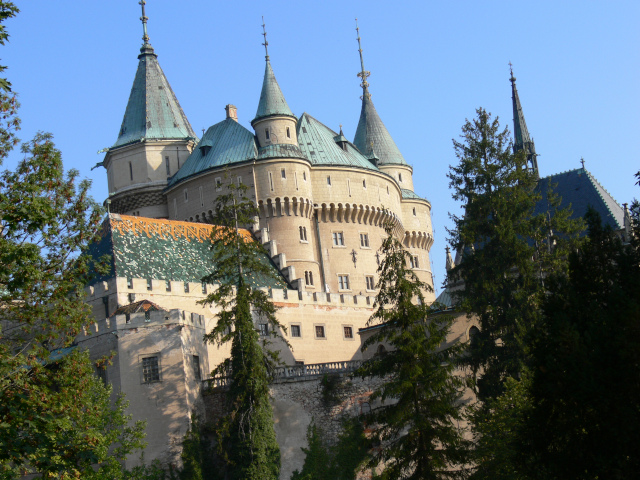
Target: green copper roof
282 150
410 194
371 131
318 145
153 111
230 143
163 250
272 100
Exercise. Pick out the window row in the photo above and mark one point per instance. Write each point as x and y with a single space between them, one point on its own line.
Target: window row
203 285
283 176
319 331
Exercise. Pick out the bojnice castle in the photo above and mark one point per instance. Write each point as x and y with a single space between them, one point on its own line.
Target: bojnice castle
323 202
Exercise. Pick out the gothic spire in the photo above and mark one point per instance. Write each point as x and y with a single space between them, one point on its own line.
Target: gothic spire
272 101
522 140
153 111
372 137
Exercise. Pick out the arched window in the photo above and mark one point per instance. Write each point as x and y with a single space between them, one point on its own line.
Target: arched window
381 350
473 334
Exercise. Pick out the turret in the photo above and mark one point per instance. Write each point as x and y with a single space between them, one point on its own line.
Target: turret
274 122
522 140
372 137
154 140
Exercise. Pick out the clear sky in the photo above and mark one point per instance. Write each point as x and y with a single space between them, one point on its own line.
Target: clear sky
432 64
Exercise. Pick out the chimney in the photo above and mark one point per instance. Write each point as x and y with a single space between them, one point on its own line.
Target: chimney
232 112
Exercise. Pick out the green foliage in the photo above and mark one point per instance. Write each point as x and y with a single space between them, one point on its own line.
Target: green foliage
498 426
339 462
246 438
57 419
586 381
330 384
417 424
507 251
7 10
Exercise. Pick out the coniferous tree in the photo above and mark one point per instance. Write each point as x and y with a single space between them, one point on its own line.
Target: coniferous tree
246 437
507 250
417 423
586 375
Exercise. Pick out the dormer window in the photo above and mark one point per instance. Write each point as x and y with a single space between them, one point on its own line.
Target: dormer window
266 133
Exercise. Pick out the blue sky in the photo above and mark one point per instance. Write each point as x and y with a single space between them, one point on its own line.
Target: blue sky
432 64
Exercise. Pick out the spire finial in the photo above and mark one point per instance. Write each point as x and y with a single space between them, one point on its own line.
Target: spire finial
582 162
266 43
363 74
513 79
341 130
144 18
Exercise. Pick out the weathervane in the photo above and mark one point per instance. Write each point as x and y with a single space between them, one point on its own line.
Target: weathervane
513 79
266 43
144 18
363 74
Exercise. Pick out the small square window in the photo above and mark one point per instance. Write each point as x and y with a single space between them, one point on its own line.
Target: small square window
263 329
348 332
320 331
364 240
338 239
196 366
150 370
295 331
371 284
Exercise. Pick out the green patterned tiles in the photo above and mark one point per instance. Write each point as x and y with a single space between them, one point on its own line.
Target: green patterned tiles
163 250
153 111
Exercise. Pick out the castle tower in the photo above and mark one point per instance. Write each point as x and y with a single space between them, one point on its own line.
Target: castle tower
154 140
373 139
283 184
522 140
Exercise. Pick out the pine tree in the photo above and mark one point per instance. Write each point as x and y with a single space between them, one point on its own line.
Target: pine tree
417 424
507 250
246 436
586 381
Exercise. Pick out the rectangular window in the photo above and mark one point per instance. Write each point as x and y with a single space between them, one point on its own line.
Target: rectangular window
348 332
149 284
329 180
186 195
218 184
201 197
266 133
129 282
283 173
303 234
338 239
371 284
131 171
168 166
414 261
343 282
364 240
271 181
320 331
288 133
168 285
349 186
150 370
147 316
263 328
196 367
295 331
127 318
186 287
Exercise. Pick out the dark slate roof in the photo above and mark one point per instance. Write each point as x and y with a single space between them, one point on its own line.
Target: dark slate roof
162 249
230 143
272 100
318 145
153 111
406 193
580 189
370 131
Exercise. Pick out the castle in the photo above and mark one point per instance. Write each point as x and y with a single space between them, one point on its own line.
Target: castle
323 202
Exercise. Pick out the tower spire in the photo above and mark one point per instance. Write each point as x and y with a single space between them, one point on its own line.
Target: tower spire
266 43
363 74
144 18
522 139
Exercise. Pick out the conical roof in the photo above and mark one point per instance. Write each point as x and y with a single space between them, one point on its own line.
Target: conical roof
272 100
153 111
521 137
372 136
